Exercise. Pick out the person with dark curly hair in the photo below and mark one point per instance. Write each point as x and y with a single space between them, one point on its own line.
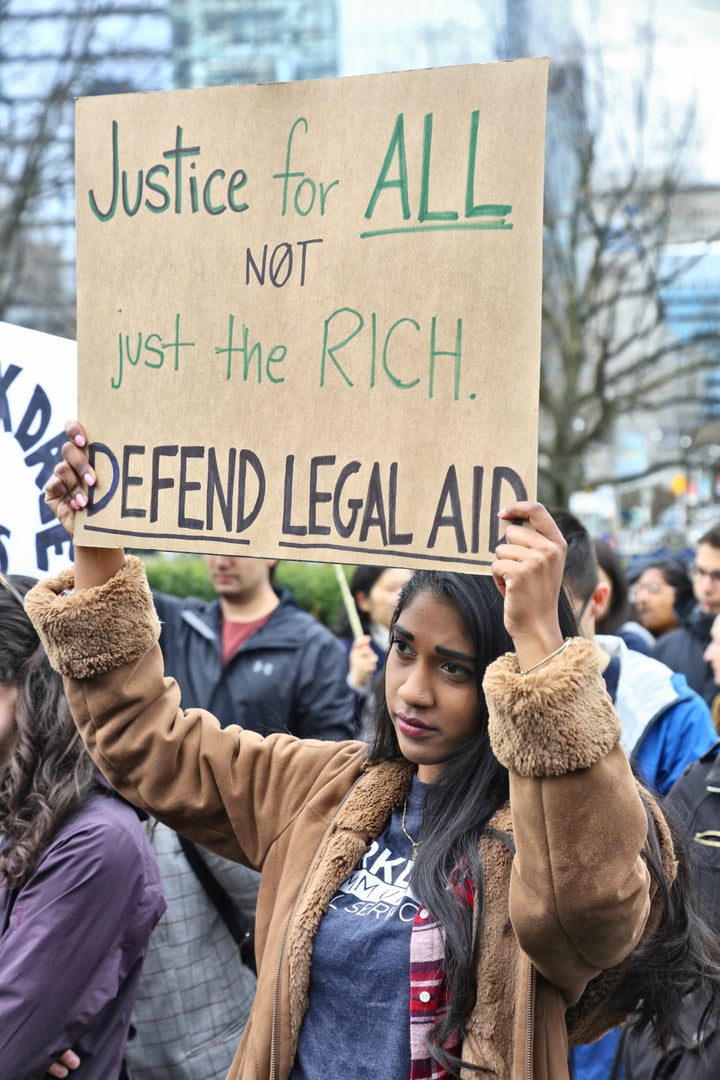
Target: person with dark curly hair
80 889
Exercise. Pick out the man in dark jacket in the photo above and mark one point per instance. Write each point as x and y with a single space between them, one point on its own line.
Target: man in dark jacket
254 658
695 798
683 649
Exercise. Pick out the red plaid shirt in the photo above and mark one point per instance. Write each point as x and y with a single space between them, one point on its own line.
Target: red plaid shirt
428 993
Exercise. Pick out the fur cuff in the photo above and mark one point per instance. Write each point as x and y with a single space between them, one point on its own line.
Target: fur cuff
95 630
554 720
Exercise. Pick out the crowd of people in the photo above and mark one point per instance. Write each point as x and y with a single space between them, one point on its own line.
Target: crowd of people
475 835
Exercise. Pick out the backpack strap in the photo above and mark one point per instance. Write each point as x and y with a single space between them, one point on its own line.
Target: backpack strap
239 929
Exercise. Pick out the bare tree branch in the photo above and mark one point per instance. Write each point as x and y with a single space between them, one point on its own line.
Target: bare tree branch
608 351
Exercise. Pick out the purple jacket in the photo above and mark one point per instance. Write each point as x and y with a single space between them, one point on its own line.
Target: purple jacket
76 937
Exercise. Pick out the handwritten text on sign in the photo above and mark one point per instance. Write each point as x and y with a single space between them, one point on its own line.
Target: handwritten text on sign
37 395
309 313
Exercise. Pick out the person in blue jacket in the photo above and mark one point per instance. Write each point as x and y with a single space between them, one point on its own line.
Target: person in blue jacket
80 889
665 724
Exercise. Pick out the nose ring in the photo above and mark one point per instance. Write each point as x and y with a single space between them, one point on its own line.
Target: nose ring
422 697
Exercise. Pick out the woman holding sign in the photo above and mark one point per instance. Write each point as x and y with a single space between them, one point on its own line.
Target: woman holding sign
453 899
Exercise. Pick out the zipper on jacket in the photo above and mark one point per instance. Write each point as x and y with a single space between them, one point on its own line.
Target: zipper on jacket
530 1024
274 1064
276 1006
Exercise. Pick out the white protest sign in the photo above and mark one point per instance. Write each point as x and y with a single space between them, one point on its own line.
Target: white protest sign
38 394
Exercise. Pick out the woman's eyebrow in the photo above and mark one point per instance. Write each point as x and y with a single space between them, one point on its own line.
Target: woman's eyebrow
454 654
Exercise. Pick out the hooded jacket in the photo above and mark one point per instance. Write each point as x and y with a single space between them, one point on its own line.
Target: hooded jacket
74 941
665 724
683 650
573 899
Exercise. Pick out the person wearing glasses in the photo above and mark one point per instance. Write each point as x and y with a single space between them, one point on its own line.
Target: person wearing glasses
683 649
662 595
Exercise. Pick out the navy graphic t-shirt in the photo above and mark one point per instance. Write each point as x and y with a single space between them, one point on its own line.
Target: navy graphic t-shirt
358 1021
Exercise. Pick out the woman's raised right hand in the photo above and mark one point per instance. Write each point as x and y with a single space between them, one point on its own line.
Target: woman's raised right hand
65 494
66 490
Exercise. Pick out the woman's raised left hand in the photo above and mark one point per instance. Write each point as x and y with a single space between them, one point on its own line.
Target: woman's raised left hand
528 571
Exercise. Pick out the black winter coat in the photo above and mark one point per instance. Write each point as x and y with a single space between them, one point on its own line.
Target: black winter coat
695 797
290 675
683 650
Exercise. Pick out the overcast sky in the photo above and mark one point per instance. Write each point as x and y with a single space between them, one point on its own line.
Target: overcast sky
686 60
384 35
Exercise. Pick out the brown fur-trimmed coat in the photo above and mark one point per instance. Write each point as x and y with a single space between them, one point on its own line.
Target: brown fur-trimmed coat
572 901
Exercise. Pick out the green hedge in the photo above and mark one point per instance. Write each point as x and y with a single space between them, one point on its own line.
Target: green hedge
314 585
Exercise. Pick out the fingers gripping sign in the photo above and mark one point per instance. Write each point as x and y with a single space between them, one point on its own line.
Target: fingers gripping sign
66 490
528 572
65 494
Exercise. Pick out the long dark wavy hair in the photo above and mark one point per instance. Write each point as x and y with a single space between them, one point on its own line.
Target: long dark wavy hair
48 773
458 807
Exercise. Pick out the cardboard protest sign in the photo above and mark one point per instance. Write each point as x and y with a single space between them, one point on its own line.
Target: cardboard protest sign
38 393
309 314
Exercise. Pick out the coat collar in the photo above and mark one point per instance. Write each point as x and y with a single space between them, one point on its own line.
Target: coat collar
360 818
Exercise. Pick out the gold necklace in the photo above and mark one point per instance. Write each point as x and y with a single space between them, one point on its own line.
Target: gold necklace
415 843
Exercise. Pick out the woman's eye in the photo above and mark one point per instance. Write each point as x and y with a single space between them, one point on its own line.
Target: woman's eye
400 646
456 669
